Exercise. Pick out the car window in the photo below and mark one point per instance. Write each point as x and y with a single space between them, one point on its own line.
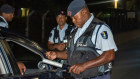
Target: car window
29 58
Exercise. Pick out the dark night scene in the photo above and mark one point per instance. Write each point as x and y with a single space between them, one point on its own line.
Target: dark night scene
69 39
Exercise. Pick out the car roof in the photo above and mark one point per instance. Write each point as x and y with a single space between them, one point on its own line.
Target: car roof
10 35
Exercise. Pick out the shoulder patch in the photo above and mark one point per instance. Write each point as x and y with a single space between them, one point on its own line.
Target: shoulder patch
104 35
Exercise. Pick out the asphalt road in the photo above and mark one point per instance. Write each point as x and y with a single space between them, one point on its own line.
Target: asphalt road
127 61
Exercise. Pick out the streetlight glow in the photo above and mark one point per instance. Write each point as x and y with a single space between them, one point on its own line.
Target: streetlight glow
115 4
25 11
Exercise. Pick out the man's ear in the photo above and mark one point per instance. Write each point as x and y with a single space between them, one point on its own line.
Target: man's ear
83 11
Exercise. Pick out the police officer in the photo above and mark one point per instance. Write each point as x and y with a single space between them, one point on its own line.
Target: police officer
6 15
59 34
90 48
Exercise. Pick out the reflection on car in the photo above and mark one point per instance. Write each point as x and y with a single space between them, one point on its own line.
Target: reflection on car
15 47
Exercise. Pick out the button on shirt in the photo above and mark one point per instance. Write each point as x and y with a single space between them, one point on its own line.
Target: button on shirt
61 33
3 23
103 43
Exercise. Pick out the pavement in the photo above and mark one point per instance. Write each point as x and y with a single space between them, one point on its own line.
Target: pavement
124 37
127 61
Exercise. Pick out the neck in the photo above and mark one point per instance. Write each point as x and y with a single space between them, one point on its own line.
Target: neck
87 17
5 18
61 26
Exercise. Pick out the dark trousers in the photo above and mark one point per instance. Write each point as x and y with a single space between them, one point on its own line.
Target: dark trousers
105 76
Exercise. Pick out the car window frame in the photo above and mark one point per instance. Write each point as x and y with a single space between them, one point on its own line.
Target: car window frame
9 60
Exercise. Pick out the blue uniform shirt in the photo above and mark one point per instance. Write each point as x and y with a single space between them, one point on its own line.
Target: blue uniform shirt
103 34
3 23
61 33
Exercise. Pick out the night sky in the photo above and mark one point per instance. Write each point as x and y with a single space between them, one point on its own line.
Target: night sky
50 4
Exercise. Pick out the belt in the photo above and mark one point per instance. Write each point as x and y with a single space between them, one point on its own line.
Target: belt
98 75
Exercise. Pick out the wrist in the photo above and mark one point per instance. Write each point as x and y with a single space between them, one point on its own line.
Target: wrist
54 46
57 54
85 65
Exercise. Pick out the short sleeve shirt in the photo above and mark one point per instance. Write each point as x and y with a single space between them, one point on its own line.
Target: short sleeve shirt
61 33
103 39
102 36
3 23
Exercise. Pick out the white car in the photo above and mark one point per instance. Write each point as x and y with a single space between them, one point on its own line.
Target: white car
13 48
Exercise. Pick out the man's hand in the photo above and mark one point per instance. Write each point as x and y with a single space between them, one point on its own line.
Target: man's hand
106 57
60 46
77 68
22 67
51 55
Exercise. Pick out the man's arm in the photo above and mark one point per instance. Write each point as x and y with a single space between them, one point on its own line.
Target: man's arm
51 46
106 57
22 67
59 46
53 55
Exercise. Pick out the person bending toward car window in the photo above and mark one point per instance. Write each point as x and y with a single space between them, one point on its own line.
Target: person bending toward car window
90 47
7 15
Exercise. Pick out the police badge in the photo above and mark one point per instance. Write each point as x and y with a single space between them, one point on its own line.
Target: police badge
104 35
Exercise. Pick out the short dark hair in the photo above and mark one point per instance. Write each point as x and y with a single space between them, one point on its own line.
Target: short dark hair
6 8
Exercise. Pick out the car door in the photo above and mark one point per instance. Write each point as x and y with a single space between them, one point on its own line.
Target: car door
8 66
14 48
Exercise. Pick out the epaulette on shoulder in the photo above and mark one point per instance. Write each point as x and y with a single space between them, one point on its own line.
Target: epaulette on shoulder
72 26
54 28
1 20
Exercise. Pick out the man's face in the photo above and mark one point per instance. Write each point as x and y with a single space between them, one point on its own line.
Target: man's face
61 19
78 19
8 16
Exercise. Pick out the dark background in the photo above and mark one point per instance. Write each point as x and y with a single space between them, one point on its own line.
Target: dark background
117 19
124 27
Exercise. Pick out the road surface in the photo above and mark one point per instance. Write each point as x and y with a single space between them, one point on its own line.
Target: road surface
127 61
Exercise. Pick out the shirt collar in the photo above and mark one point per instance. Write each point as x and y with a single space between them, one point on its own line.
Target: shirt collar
80 31
4 20
65 27
88 21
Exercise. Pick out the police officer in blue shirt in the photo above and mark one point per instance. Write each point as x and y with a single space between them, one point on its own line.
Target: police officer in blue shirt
90 47
59 34
7 15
